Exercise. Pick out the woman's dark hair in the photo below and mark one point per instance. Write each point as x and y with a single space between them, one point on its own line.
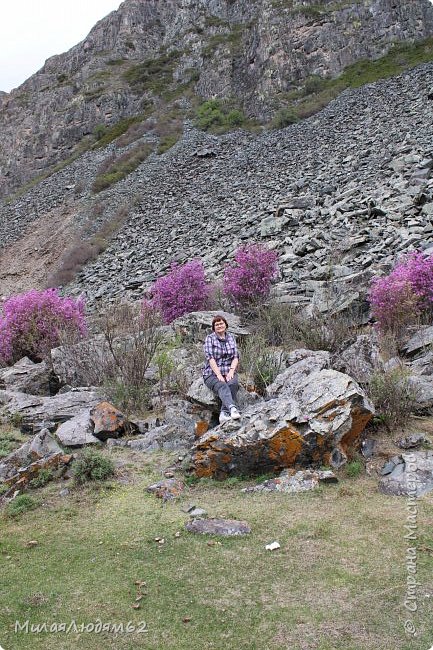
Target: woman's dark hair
216 319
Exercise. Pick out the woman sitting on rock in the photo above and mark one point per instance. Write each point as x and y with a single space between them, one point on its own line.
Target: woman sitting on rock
219 373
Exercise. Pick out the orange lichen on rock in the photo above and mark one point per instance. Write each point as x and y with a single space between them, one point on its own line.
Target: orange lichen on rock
360 419
201 427
285 446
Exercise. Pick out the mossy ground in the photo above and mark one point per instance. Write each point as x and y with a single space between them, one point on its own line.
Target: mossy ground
337 582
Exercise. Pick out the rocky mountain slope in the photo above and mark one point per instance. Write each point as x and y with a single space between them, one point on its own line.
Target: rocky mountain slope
147 55
354 184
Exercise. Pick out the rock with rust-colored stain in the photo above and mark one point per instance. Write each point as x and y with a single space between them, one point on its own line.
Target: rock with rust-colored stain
109 422
167 489
40 446
201 427
21 479
224 527
305 424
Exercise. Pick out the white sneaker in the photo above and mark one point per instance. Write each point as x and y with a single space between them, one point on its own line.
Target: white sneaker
224 417
234 413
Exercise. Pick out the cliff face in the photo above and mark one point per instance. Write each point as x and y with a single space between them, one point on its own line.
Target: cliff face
155 51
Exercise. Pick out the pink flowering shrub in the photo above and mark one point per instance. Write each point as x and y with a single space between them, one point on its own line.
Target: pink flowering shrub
248 281
31 323
404 294
182 290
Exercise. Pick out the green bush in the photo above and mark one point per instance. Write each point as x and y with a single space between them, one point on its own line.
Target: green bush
128 398
284 117
235 117
22 503
154 74
314 85
259 363
92 466
6 447
210 114
354 469
217 116
44 477
393 397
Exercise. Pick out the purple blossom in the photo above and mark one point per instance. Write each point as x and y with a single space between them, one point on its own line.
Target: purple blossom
403 294
248 280
181 291
31 323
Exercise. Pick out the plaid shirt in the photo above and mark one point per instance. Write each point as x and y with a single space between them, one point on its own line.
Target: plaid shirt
222 350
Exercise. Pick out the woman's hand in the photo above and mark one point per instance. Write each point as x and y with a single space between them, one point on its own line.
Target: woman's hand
230 375
220 377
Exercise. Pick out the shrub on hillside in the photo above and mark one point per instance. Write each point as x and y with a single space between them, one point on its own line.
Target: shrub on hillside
22 503
182 290
217 116
92 466
32 323
393 396
247 282
284 117
129 335
406 293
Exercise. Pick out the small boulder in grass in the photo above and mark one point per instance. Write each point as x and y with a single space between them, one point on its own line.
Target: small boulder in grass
292 482
223 527
167 489
109 422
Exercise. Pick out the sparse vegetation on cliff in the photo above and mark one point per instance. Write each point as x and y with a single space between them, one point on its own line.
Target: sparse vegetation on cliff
317 92
115 168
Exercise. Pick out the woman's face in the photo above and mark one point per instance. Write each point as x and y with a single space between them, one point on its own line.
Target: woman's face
220 327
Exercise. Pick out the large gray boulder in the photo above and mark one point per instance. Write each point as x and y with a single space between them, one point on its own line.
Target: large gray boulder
35 410
314 421
300 364
199 393
77 431
82 363
422 390
26 376
360 360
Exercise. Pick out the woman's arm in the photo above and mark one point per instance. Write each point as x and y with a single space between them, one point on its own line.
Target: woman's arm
234 363
213 364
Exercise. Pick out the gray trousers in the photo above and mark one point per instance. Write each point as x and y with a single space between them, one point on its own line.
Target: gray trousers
226 391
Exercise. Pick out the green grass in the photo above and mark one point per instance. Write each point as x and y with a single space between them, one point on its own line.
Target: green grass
337 582
232 39
313 10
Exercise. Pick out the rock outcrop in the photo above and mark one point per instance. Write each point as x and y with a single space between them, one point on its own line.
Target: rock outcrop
246 50
346 217
316 418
